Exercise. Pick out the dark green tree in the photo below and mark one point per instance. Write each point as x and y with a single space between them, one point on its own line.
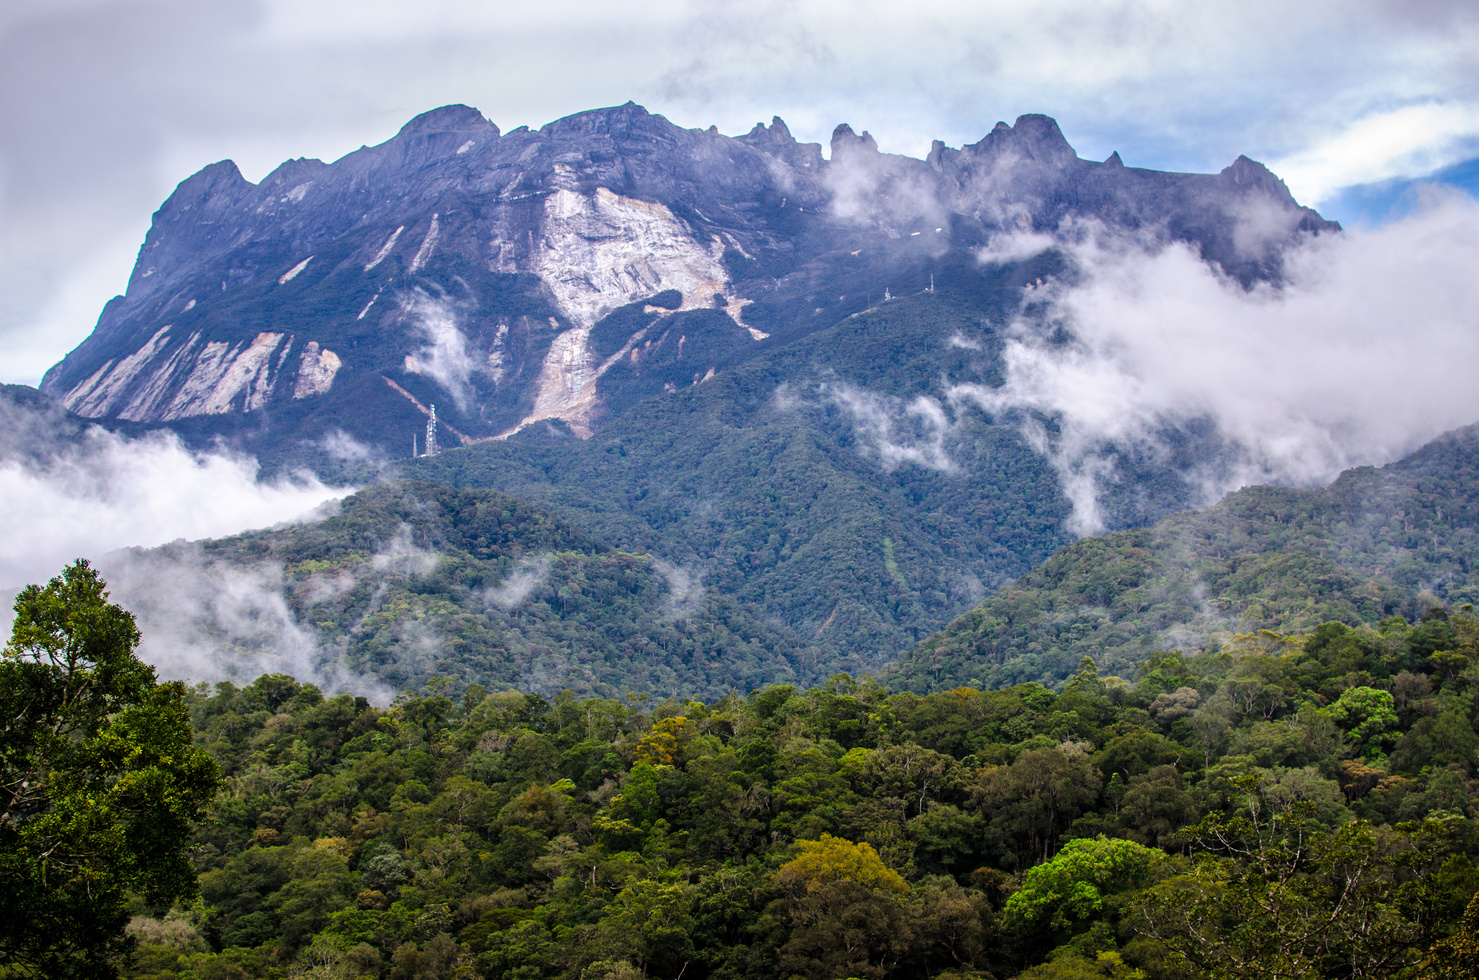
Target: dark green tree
99 782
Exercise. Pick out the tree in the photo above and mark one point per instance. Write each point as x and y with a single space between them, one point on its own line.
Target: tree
1070 889
1456 957
1274 899
845 910
1033 800
99 781
1370 715
1155 805
831 859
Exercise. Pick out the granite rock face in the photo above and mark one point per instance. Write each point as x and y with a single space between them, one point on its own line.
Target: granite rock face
559 275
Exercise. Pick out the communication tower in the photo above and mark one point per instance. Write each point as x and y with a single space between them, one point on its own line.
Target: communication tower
431 433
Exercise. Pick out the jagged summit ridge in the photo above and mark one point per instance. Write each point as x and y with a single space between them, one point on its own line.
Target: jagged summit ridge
460 264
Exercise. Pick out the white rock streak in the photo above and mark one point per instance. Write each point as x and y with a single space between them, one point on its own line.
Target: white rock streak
316 370
427 245
161 383
293 272
384 251
599 252
95 396
222 373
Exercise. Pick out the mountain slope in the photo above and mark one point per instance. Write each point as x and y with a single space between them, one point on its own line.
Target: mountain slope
1376 543
412 580
733 354
513 278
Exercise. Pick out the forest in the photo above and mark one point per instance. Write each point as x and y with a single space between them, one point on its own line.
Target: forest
1275 806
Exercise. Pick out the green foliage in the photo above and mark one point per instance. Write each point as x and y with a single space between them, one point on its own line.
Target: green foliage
1369 715
501 593
99 783
1070 888
1216 817
1364 549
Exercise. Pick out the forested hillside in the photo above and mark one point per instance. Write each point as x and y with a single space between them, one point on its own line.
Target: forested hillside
412 580
1375 543
821 561
808 483
1281 806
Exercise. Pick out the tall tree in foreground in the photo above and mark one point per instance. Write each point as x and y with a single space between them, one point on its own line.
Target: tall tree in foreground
99 781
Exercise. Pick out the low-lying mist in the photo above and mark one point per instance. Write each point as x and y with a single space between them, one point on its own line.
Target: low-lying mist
88 493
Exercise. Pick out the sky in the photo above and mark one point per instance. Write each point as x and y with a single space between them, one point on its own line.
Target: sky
105 105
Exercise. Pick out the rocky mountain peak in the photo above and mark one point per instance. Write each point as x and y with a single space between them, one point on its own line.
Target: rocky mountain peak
510 278
220 179
626 120
845 142
448 119
292 173
776 133
1034 137
1252 176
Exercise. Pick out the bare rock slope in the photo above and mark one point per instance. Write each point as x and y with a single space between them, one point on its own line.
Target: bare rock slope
505 277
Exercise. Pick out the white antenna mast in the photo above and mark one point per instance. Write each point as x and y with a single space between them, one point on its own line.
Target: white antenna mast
431 432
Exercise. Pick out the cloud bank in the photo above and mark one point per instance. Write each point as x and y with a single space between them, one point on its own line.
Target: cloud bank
204 621
106 492
1366 352
443 355
71 492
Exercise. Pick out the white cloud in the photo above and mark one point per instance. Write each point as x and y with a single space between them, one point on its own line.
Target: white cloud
443 356
527 575
69 500
210 621
895 430
1411 141
1366 353
685 589
401 557
92 494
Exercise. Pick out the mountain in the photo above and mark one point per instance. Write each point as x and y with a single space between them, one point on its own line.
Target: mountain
1376 543
567 273
798 483
729 353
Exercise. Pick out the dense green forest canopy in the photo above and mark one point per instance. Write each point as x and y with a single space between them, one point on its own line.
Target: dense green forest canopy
1281 805
411 580
1377 542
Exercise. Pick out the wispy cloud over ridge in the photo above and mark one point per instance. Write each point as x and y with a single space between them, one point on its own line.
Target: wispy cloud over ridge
1364 352
208 621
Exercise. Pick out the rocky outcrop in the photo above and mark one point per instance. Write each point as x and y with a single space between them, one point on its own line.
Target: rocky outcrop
472 266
